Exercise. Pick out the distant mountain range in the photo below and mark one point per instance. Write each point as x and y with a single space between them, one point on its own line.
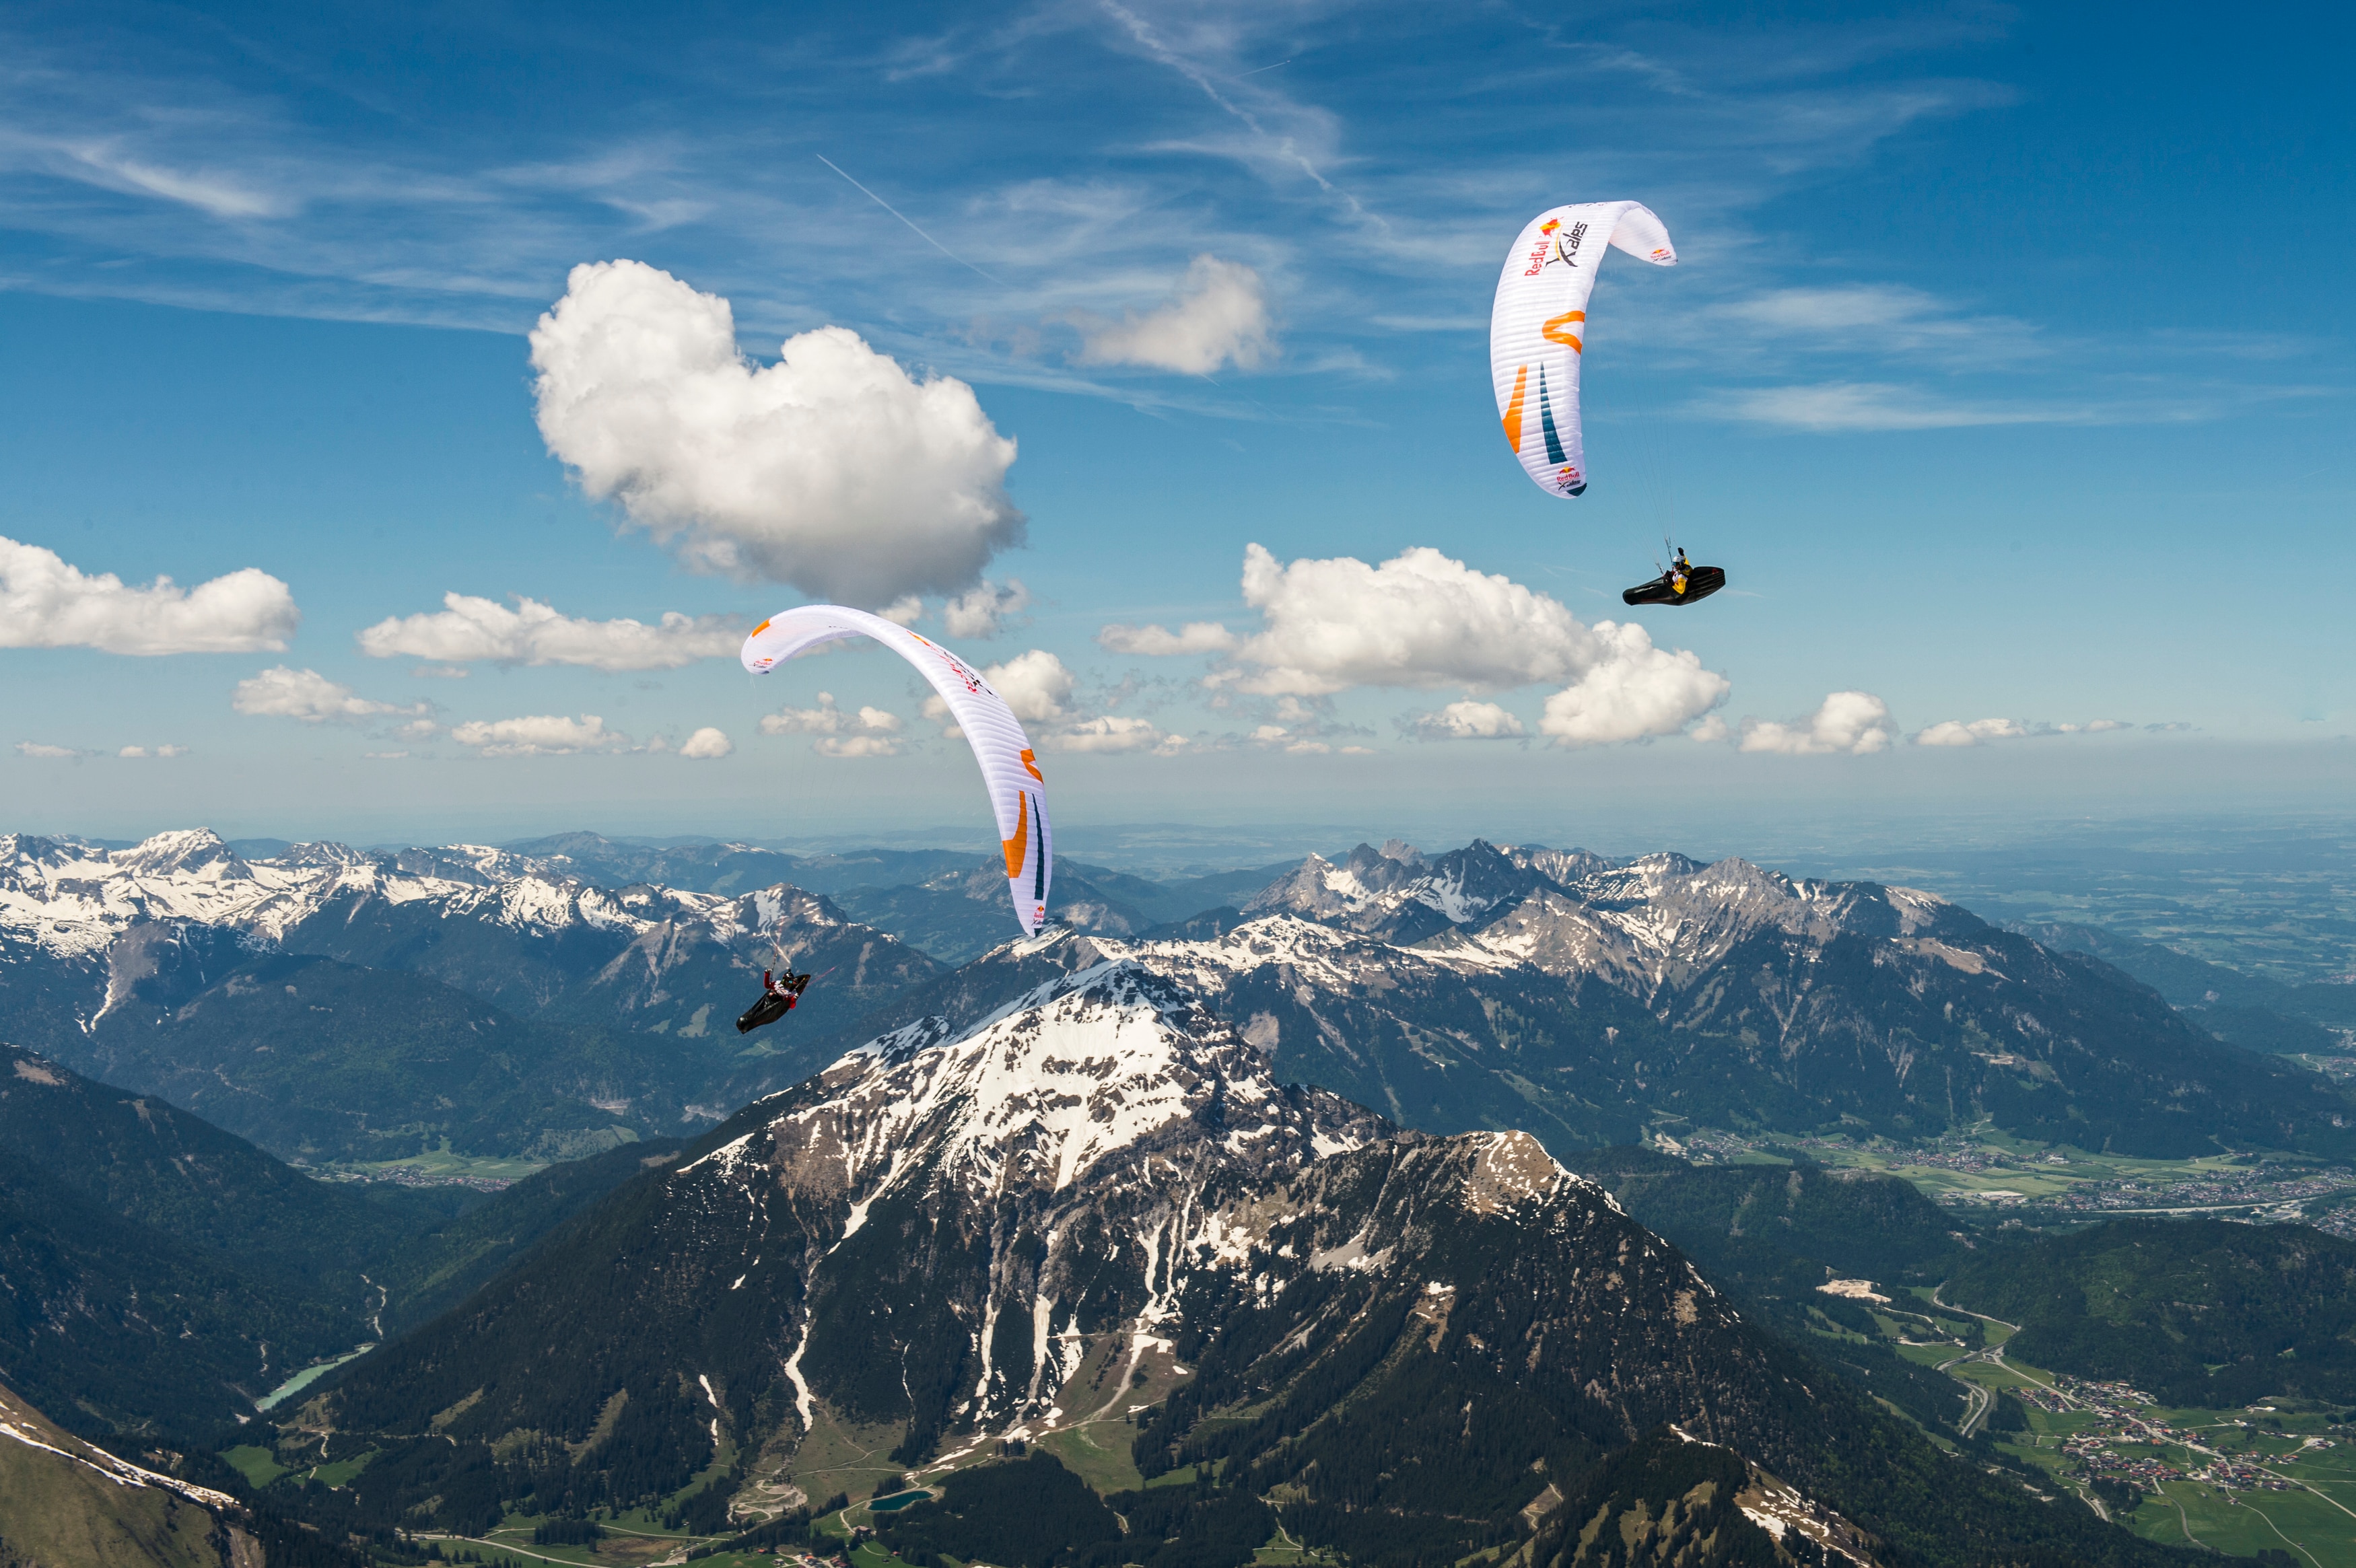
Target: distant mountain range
162 1275
1094 1213
338 1005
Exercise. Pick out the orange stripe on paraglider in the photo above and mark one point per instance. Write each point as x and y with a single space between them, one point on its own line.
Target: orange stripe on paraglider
757 631
1018 849
1513 409
1031 764
1554 332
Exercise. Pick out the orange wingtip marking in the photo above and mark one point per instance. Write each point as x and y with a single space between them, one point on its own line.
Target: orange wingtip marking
1513 409
1031 765
761 628
1017 849
1554 332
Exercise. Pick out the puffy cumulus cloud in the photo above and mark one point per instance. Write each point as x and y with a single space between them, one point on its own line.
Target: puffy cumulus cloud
1852 722
47 602
539 735
1417 620
832 470
283 692
869 733
166 752
1631 691
905 611
46 752
1160 642
1035 685
1467 720
1116 732
707 744
1217 315
1040 690
984 610
1980 732
1421 619
468 628
1709 732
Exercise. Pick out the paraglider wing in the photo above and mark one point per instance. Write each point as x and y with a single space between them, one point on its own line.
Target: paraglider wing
1009 768
1538 329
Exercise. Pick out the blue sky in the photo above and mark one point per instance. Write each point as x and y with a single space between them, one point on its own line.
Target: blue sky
2006 370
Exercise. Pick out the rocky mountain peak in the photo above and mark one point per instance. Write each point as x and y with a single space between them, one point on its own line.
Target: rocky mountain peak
192 852
1115 1060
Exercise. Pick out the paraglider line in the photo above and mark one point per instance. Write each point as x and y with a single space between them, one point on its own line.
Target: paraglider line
904 217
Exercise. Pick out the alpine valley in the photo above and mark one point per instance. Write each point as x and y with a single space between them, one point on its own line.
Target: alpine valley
1235 1215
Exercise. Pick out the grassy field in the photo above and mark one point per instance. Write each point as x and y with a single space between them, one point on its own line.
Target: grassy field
2315 1522
2034 1171
439 1165
1097 1452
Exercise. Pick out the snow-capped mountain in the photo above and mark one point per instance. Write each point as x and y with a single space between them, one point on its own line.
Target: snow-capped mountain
1398 893
68 898
1664 995
1093 1219
1096 1205
338 1004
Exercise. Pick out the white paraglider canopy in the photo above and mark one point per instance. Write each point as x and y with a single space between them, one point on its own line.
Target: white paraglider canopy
1538 329
1009 767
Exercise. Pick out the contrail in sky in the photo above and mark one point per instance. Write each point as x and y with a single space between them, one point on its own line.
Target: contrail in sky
904 217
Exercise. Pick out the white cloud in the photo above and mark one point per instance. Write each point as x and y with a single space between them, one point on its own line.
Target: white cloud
1856 722
983 611
1878 406
1038 688
1423 620
1709 732
43 749
1114 733
282 692
832 470
166 752
1633 690
1417 620
856 746
46 604
98 163
1217 315
1157 642
1979 731
1882 318
707 744
904 611
1467 721
534 634
539 735
383 756
1035 685
870 732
